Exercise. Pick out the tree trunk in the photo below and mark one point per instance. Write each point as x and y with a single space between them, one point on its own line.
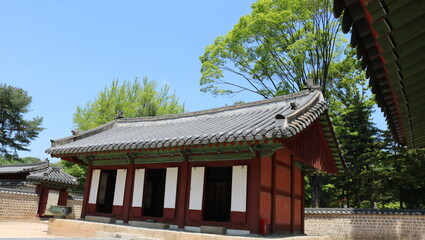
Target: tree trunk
316 190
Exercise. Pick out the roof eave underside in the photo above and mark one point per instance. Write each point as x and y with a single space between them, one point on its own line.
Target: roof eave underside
390 39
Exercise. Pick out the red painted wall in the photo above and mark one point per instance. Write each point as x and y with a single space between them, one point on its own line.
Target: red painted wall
266 170
281 194
310 147
275 189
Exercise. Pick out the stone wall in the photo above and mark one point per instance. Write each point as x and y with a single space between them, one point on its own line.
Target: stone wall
365 224
76 209
15 205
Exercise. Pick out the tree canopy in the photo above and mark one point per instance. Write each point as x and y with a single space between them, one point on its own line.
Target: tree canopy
16 132
274 50
133 99
21 160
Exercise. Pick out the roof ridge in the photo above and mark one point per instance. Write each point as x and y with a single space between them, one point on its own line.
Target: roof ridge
219 109
22 165
109 125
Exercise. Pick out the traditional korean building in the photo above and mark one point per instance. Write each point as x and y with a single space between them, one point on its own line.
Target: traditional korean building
233 166
40 178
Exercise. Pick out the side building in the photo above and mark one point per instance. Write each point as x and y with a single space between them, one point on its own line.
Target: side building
39 178
234 167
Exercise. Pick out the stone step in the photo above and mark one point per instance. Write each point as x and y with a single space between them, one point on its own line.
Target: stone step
119 235
100 219
149 224
213 229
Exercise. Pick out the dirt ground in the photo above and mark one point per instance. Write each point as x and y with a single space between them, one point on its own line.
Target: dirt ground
24 229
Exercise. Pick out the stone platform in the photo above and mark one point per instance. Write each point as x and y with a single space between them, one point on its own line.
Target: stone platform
84 229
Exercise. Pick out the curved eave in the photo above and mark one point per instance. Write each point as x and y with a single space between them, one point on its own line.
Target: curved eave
390 40
48 181
333 142
252 122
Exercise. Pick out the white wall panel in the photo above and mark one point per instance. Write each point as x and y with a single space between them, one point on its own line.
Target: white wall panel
94 186
171 187
239 188
196 188
139 182
120 187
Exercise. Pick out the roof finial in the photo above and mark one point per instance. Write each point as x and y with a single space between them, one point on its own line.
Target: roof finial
311 86
75 132
120 114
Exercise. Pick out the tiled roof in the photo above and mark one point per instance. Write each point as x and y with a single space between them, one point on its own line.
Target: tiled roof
21 168
327 211
41 172
243 122
389 37
16 191
53 175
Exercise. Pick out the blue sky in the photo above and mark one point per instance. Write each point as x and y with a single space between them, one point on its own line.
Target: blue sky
64 52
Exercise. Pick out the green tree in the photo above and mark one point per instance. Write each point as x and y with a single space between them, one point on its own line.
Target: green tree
274 50
16 133
351 108
4 161
403 178
133 99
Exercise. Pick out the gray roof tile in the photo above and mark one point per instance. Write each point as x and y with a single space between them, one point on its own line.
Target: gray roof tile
53 175
243 122
41 172
22 168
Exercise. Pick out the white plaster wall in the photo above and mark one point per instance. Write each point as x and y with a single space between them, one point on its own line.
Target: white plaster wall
239 188
120 187
171 187
196 188
52 199
139 182
94 186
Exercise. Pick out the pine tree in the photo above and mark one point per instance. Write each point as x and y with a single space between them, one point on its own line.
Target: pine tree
16 132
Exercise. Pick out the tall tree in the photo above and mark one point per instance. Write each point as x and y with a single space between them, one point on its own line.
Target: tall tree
403 178
16 133
274 50
132 99
351 108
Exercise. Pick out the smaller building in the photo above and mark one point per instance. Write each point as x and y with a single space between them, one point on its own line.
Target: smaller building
40 178
238 167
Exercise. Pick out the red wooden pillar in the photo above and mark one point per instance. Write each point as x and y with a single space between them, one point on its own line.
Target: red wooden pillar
254 170
43 196
183 192
273 200
128 193
87 191
292 194
302 202
63 198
